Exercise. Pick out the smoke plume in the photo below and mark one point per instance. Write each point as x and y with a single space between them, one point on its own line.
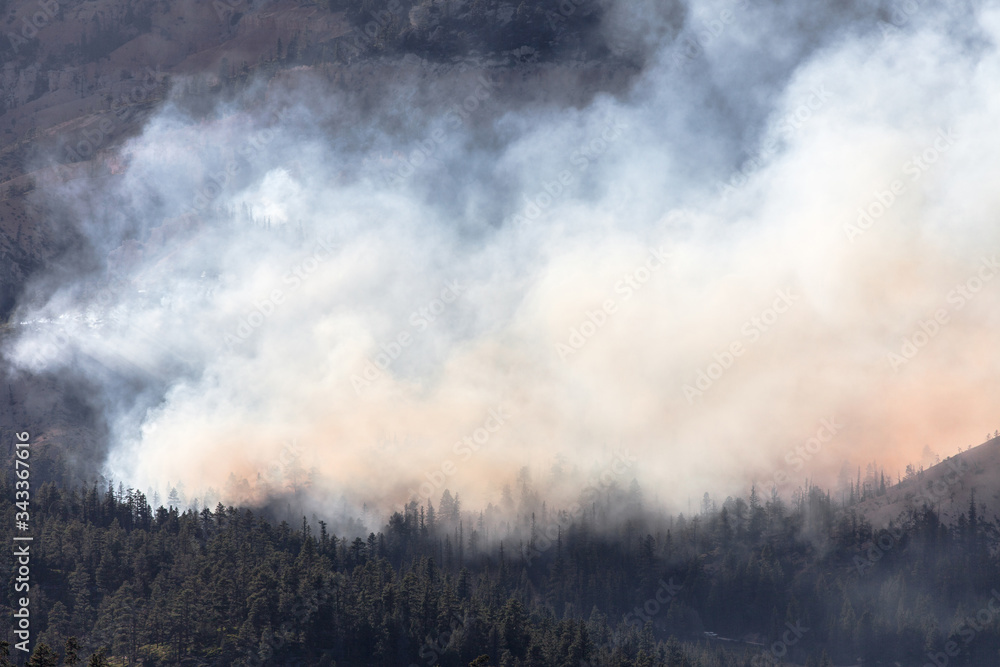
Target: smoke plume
772 252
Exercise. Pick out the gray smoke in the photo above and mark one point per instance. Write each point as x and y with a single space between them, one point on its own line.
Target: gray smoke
770 254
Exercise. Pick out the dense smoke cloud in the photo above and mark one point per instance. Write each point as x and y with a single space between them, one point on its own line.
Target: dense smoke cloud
784 233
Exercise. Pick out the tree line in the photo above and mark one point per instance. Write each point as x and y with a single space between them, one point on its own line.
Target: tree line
749 581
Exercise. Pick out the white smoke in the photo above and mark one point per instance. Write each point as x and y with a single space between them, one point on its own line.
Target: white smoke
699 271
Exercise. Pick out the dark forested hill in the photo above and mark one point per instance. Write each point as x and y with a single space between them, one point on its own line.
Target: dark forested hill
747 583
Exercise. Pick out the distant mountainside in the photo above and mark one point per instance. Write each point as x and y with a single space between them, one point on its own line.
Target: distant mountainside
78 77
946 487
64 63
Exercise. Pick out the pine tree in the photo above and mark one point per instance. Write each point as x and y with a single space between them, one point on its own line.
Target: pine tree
43 656
431 517
72 651
99 658
446 506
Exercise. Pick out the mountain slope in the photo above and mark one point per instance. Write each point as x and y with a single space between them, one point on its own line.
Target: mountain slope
947 487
